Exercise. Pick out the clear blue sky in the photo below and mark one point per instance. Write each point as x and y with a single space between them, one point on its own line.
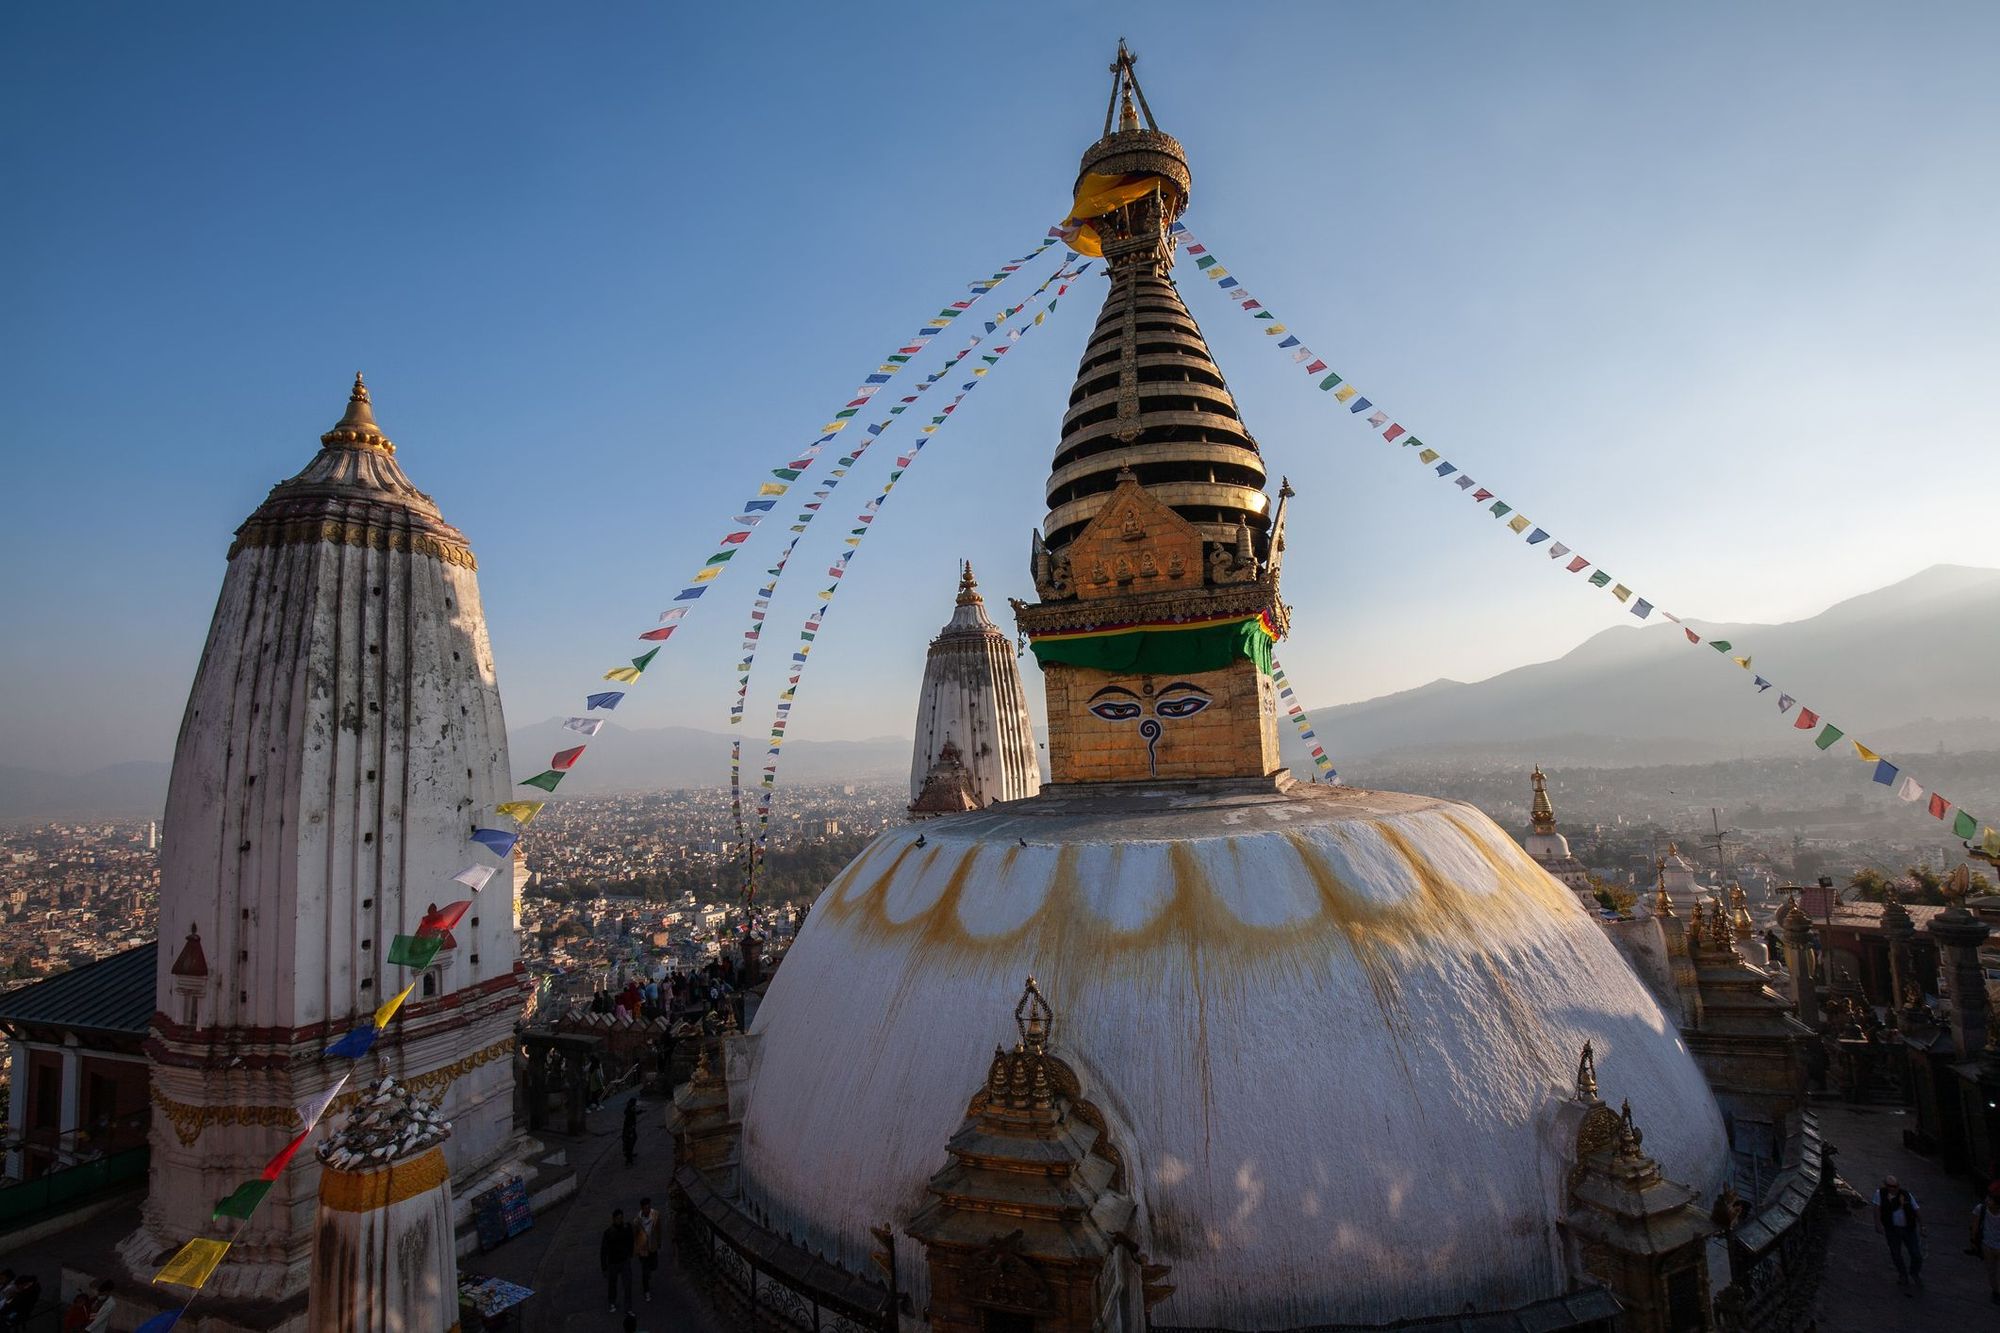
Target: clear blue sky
1709 290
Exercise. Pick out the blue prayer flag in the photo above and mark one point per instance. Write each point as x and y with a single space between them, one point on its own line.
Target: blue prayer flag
1446 469
1290 341
1537 537
160 1323
1885 772
691 594
752 506
927 333
357 1043
608 700
1227 282
1761 684
876 379
1642 608
498 841
1359 405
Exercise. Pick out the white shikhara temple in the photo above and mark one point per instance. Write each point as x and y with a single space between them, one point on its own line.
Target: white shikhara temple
342 739
974 742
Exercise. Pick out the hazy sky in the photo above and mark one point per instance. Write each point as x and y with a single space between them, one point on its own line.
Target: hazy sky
1708 290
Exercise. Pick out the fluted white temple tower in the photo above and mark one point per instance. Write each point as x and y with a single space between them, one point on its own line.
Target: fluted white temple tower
342 739
974 742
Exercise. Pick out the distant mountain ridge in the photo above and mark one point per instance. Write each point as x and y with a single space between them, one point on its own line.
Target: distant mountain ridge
1904 667
1909 665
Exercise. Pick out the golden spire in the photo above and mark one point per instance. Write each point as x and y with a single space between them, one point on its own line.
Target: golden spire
1542 815
1586 1075
357 426
968 586
1662 904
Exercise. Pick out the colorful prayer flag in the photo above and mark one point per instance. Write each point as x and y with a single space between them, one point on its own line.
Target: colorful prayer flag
1393 431
1538 536
1642 608
1378 419
193 1262
607 700
1359 405
1867 755
276 1166
243 1200
1446 469
521 812
1964 826
1828 736
356 1043
643 660
1558 551
587 725
1910 790
1720 645
391 1005
1785 702
438 922
1600 579
412 951
1885 773
1343 393
1760 683
564 760
547 780
1518 523
1578 565
312 1108
1938 806
1807 720
623 675
1743 662
498 841
1501 508
1428 456
1330 381
1692 636
161 1323
1482 495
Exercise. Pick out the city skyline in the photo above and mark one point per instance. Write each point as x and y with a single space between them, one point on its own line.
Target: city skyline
1732 291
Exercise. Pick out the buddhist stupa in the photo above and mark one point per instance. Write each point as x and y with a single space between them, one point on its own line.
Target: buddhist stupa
1292 1055
973 731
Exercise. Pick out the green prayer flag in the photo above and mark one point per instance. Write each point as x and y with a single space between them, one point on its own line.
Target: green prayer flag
1964 826
243 1200
1263 314
415 950
721 557
643 659
900 360
546 780
1599 579
1330 381
1828 735
785 473
1720 645
1205 261
1501 507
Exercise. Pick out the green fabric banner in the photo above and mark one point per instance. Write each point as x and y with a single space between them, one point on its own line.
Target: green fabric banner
1828 735
546 780
1964 826
243 1200
1163 651
416 951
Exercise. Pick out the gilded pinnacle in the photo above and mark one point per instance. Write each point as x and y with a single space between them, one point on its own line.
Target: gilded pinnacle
356 426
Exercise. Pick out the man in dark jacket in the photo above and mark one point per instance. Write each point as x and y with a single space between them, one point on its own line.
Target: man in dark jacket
1898 1219
614 1255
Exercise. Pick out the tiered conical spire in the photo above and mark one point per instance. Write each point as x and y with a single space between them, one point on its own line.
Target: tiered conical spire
1542 815
1148 394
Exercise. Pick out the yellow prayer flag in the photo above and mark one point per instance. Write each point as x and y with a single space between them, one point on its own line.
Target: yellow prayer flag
1519 523
1343 393
521 812
707 574
833 427
624 675
1621 592
1217 272
1428 456
774 487
193 1262
1743 662
853 541
389 1007
1274 330
1992 843
1866 753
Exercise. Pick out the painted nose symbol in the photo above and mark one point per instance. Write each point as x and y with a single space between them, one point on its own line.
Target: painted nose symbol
1150 729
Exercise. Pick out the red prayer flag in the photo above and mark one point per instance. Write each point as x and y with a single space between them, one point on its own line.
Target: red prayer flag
1938 806
276 1166
1482 494
1692 636
1807 720
1578 565
436 923
1393 431
736 538
656 635
564 760
1315 368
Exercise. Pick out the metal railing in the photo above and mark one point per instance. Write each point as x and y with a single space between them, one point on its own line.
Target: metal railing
71 1184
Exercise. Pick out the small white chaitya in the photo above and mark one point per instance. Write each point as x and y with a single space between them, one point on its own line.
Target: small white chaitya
382 1258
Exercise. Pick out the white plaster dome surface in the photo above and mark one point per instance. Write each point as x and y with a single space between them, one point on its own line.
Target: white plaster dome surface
1330 1030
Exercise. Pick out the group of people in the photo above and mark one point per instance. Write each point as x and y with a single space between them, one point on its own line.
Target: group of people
625 1243
1900 1220
676 994
21 1297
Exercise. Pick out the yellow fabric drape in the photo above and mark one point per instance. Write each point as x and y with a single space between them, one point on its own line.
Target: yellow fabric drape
1097 195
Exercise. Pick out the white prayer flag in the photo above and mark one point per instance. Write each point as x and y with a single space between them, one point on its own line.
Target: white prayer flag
669 617
1910 790
474 877
587 725
313 1108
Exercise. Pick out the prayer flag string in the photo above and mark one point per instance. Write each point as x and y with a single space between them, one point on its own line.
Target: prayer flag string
864 521
1825 735
1297 713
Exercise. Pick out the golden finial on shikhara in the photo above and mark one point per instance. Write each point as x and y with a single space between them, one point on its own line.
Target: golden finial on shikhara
357 425
968 586
1542 815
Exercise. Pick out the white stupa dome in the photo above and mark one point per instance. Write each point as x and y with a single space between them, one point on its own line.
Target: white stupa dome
1330 1032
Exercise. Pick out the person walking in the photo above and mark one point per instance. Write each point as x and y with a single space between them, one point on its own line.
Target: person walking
614 1256
646 1245
1898 1218
628 1133
1986 1237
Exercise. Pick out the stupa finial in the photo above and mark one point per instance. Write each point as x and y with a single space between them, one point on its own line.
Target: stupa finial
1542 814
968 586
356 426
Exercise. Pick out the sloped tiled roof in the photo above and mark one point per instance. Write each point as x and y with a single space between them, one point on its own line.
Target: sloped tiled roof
113 994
